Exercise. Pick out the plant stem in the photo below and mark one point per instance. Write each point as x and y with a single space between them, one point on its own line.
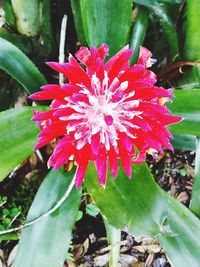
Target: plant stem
195 200
114 238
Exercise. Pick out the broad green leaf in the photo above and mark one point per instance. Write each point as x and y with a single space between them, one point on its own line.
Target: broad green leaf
20 67
138 32
22 42
27 14
150 3
163 15
140 207
9 14
192 52
192 32
49 238
76 9
186 104
18 136
106 22
169 30
195 200
184 142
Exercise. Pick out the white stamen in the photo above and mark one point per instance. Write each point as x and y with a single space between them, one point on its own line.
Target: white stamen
124 86
90 117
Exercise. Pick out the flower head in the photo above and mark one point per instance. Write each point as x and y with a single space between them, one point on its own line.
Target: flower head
105 112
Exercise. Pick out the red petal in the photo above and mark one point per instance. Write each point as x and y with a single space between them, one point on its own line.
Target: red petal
144 55
103 51
113 162
101 166
80 173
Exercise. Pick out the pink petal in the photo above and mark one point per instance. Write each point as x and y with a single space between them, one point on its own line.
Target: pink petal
103 51
102 167
80 173
140 158
144 55
113 162
84 55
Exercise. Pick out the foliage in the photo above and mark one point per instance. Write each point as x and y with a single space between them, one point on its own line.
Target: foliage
138 205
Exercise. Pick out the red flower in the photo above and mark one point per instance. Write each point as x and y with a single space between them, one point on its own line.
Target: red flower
105 113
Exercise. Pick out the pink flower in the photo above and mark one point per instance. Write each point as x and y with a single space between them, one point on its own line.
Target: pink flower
107 112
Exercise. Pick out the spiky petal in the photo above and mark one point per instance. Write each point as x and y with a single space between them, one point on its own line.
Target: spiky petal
105 113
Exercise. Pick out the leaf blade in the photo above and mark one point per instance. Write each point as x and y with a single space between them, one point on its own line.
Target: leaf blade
141 208
106 21
190 112
138 32
20 67
50 237
18 136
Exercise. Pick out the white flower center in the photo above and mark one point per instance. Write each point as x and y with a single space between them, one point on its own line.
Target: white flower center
109 110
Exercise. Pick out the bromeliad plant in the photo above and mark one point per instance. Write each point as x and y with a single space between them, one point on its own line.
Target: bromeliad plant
108 112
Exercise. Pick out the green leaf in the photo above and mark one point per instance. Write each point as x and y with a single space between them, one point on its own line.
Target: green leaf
10 236
186 104
138 32
192 31
20 67
76 9
195 200
49 238
150 3
22 42
9 14
92 210
190 79
46 42
106 22
140 207
79 215
27 14
184 142
18 136
192 52
169 30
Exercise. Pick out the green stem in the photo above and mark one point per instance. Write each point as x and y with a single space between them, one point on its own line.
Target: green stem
138 32
195 200
114 239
